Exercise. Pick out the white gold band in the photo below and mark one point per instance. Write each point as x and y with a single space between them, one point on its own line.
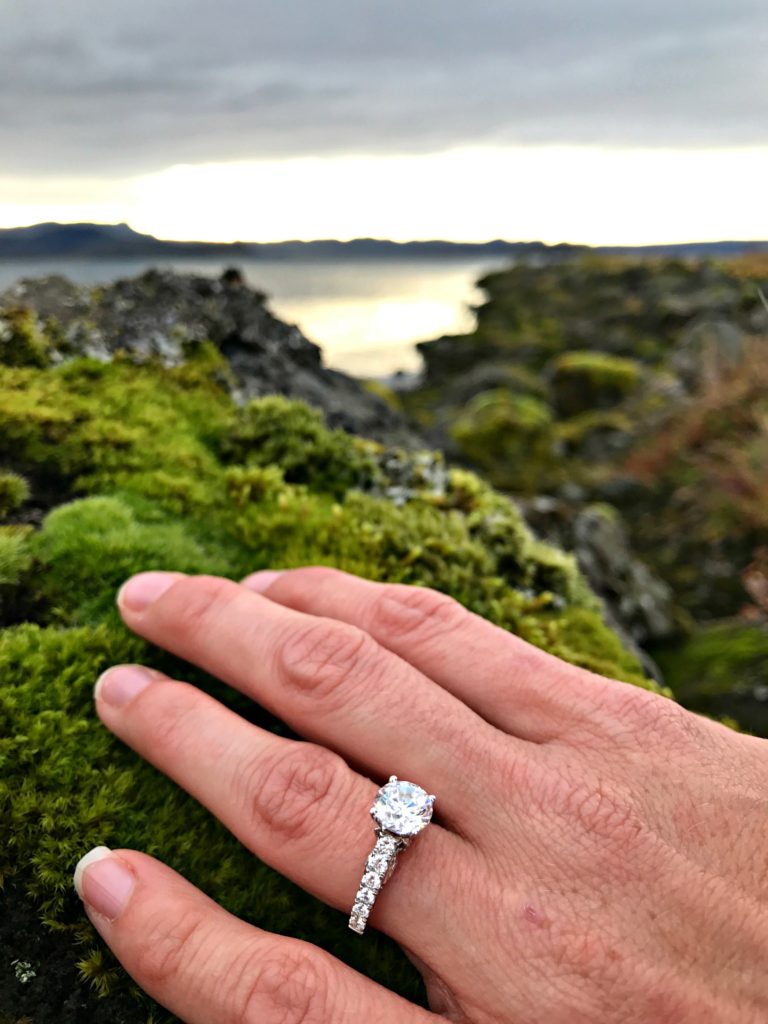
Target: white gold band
378 868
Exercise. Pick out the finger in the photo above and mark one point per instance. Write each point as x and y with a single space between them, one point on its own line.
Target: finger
510 683
298 806
331 682
208 967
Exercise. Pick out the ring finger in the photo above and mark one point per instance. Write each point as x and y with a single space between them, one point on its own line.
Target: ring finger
298 806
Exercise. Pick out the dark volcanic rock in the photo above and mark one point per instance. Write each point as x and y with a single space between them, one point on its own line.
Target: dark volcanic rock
163 315
639 604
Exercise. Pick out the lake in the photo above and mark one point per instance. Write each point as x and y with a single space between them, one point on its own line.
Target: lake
365 315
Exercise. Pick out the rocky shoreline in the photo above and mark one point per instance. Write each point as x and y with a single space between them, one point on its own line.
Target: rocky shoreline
164 316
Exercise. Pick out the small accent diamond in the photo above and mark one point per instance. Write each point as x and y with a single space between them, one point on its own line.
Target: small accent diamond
372 880
385 845
378 863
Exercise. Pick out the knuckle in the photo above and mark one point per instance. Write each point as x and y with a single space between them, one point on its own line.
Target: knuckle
291 791
602 814
198 601
291 988
405 613
645 717
321 657
171 951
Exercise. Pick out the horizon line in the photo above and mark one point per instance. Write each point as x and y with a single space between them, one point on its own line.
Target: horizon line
391 241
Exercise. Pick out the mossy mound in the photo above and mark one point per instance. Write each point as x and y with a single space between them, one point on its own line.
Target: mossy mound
22 343
588 380
509 436
140 467
14 491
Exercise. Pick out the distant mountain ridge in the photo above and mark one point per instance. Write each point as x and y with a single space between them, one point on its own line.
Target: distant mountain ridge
120 241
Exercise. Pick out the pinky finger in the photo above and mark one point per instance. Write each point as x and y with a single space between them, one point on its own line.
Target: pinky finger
208 967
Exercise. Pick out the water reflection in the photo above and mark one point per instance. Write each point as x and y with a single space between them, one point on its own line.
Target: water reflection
365 315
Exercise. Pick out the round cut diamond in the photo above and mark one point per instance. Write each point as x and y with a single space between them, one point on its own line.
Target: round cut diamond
402 807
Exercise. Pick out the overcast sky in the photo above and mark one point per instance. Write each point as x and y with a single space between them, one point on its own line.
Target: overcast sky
97 98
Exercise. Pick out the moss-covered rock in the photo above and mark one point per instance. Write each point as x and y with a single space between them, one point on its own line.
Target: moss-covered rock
722 671
588 380
22 339
14 491
509 436
594 436
656 387
158 468
167 317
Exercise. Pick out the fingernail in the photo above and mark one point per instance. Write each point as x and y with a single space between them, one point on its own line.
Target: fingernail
119 685
140 591
261 581
104 882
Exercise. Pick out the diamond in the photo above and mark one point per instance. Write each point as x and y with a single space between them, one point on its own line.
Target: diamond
366 897
371 880
378 862
402 808
360 910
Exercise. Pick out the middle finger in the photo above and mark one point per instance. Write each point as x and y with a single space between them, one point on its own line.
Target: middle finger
328 680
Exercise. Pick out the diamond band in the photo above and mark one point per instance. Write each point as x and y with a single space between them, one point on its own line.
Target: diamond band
400 811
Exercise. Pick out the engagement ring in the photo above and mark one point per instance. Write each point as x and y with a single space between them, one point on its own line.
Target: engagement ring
400 811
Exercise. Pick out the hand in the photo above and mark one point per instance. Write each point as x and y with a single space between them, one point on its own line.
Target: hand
598 856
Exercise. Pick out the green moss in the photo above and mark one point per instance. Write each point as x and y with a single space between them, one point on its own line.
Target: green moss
22 343
87 548
158 469
383 391
714 656
722 670
14 491
290 434
509 436
590 380
592 431
15 553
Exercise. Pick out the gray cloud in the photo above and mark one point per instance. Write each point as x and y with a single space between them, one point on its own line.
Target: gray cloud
91 87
